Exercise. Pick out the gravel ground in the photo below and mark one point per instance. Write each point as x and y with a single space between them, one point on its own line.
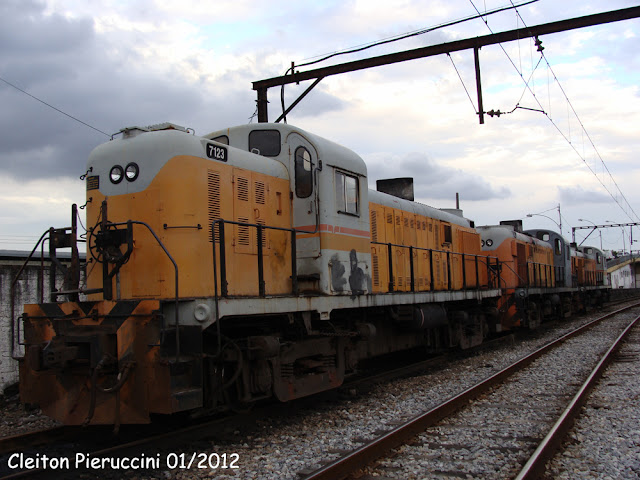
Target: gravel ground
16 419
280 448
495 435
605 440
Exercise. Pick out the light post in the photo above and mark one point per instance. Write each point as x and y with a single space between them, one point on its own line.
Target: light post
545 216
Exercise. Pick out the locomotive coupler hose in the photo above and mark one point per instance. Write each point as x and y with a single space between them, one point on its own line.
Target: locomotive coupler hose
123 375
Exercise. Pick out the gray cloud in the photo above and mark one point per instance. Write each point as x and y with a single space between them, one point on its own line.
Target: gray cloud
578 196
317 102
65 63
432 180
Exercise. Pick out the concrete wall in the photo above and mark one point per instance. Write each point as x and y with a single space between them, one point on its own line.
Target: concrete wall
28 290
623 277
624 273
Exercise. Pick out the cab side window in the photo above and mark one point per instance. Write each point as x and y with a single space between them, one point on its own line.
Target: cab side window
303 173
347 193
558 249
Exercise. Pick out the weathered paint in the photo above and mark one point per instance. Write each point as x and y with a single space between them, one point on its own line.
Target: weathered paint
64 394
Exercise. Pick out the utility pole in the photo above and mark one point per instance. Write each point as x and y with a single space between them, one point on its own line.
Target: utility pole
560 219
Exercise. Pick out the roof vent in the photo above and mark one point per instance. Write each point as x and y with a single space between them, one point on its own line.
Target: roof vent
398 187
516 224
165 126
453 211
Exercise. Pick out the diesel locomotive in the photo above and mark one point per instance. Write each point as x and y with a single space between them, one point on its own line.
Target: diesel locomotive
255 262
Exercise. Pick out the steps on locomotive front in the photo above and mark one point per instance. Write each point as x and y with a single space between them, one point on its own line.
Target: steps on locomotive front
184 360
186 381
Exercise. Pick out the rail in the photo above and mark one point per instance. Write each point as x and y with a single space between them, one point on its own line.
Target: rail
535 466
58 238
537 270
560 272
400 435
107 277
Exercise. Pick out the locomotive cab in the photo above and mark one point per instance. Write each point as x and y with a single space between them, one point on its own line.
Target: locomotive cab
329 204
561 254
600 262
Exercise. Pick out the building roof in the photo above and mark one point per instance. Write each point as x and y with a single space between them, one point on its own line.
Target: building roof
23 255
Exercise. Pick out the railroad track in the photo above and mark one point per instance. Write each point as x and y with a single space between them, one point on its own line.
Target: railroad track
153 442
503 427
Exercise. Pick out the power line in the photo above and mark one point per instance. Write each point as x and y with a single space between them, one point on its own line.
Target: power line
54 108
568 140
414 33
366 46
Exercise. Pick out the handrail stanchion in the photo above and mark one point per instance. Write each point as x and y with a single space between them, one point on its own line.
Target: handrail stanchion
464 271
294 266
413 282
390 251
13 300
223 262
261 285
431 280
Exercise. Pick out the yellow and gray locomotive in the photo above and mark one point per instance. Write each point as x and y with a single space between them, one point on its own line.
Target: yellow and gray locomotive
249 263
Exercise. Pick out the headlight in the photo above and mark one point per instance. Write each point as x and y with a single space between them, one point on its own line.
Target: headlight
131 171
489 242
116 174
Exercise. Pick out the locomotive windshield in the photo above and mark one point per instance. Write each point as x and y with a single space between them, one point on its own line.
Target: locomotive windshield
265 142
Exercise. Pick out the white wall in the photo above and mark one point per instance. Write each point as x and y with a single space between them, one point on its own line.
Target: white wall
623 277
27 291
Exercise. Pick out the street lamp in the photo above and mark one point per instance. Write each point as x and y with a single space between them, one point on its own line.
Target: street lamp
540 215
559 217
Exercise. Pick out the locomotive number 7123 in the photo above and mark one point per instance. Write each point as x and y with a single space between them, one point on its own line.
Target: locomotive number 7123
216 152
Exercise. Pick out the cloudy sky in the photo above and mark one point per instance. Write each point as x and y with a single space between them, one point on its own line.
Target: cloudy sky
117 63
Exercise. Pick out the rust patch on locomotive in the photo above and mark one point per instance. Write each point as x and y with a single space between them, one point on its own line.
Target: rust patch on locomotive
91 362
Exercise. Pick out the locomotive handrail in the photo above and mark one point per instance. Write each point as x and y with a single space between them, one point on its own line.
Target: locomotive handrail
485 258
223 263
526 282
506 264
548 270
175 267
259 228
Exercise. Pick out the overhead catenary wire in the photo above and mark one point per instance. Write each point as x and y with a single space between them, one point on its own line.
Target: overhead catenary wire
387 40
54 108
567 139
463 85
414 33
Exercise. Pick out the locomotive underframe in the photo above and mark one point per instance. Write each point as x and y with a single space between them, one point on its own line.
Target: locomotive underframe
289 354
77 353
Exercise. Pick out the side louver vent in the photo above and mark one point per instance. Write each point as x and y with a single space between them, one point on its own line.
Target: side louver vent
213 197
